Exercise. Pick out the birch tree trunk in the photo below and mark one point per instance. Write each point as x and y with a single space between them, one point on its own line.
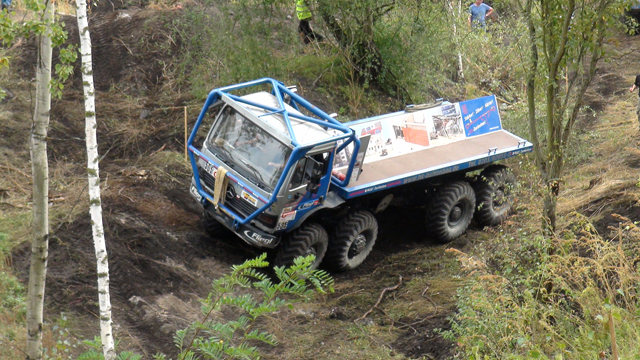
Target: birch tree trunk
95 206
40 171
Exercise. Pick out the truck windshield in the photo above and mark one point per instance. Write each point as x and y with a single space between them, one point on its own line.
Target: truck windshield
236 140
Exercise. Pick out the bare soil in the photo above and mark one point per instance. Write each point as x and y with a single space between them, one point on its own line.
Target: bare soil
161 262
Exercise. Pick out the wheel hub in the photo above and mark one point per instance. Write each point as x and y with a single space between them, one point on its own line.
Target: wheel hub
357 246
499 199
456 214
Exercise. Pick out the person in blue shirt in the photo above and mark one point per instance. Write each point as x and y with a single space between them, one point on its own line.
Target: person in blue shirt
478 12
5 4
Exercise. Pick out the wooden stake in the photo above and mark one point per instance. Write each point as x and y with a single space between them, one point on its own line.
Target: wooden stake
186 156
612 333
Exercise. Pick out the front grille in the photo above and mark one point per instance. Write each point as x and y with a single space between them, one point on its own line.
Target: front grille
238 205
209 180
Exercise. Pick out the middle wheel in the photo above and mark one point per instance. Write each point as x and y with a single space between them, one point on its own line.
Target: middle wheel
308 239
450 211
352 242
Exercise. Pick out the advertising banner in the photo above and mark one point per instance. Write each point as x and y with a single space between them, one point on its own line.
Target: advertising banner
480 116
412 131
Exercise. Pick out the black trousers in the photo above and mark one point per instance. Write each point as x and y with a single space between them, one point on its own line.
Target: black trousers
308 35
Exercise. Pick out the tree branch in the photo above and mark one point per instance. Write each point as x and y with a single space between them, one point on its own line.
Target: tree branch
393 288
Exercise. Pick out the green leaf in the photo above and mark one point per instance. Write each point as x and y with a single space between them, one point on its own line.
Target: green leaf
616 315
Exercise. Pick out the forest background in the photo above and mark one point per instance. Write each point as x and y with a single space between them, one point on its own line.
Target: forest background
512 291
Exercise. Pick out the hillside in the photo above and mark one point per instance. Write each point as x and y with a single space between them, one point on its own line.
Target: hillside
161 260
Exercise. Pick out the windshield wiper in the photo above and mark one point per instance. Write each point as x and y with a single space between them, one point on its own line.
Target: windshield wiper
257 173
226 156
224 152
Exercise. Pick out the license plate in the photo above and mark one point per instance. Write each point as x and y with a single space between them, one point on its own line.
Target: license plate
249 198
194 192
208 167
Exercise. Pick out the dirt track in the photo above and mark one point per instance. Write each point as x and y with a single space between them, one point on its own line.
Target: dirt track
161 263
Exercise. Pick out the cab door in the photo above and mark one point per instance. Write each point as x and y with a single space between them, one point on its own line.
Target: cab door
305 189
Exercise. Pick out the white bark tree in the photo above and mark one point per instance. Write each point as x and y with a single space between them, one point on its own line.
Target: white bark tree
40 171
95 208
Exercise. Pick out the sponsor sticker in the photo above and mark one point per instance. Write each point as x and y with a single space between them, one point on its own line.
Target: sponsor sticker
287 209
308 204
288 216
265 239
249 198
208 167
194 192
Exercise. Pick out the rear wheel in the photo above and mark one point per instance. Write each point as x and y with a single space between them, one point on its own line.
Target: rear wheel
494 195
308 239
450 211
212 226
354 238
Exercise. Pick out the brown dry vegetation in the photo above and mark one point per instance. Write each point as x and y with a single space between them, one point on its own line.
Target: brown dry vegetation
162 262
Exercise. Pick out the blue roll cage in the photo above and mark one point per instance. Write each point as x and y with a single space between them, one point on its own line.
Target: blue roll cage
278 89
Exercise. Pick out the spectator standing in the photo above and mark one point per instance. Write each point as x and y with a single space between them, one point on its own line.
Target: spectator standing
635 85
4 4
304 28
478 12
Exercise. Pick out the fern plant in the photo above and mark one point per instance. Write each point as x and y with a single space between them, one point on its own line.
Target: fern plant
216 338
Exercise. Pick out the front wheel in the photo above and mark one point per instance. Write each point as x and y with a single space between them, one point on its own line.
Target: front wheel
494 195
354 238
308 239
450 211
212 226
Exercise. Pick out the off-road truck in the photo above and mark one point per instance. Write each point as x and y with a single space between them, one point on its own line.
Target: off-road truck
282 174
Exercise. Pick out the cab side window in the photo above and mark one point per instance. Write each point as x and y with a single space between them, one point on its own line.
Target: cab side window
298 174
306 168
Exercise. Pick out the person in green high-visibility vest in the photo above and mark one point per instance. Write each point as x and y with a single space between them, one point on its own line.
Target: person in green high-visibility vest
304 28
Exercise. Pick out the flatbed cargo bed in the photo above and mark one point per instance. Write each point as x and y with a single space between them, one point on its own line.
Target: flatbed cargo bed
437 152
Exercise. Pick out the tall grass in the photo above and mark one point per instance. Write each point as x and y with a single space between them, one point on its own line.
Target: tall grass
12 305
232 42
551 298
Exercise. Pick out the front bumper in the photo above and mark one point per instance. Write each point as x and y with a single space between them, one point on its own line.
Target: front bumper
249 233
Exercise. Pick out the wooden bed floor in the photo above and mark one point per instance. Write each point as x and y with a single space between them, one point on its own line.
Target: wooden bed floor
435 156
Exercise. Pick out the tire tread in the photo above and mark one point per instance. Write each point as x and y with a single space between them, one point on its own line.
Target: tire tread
440 206
485 187
339 244
298 241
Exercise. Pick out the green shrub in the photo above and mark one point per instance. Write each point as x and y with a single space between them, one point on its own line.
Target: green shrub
232 42
552 298
229 328
12 292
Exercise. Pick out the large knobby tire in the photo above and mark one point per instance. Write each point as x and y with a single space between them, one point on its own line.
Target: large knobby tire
213 227
310 238
353 240
450 211
494 195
